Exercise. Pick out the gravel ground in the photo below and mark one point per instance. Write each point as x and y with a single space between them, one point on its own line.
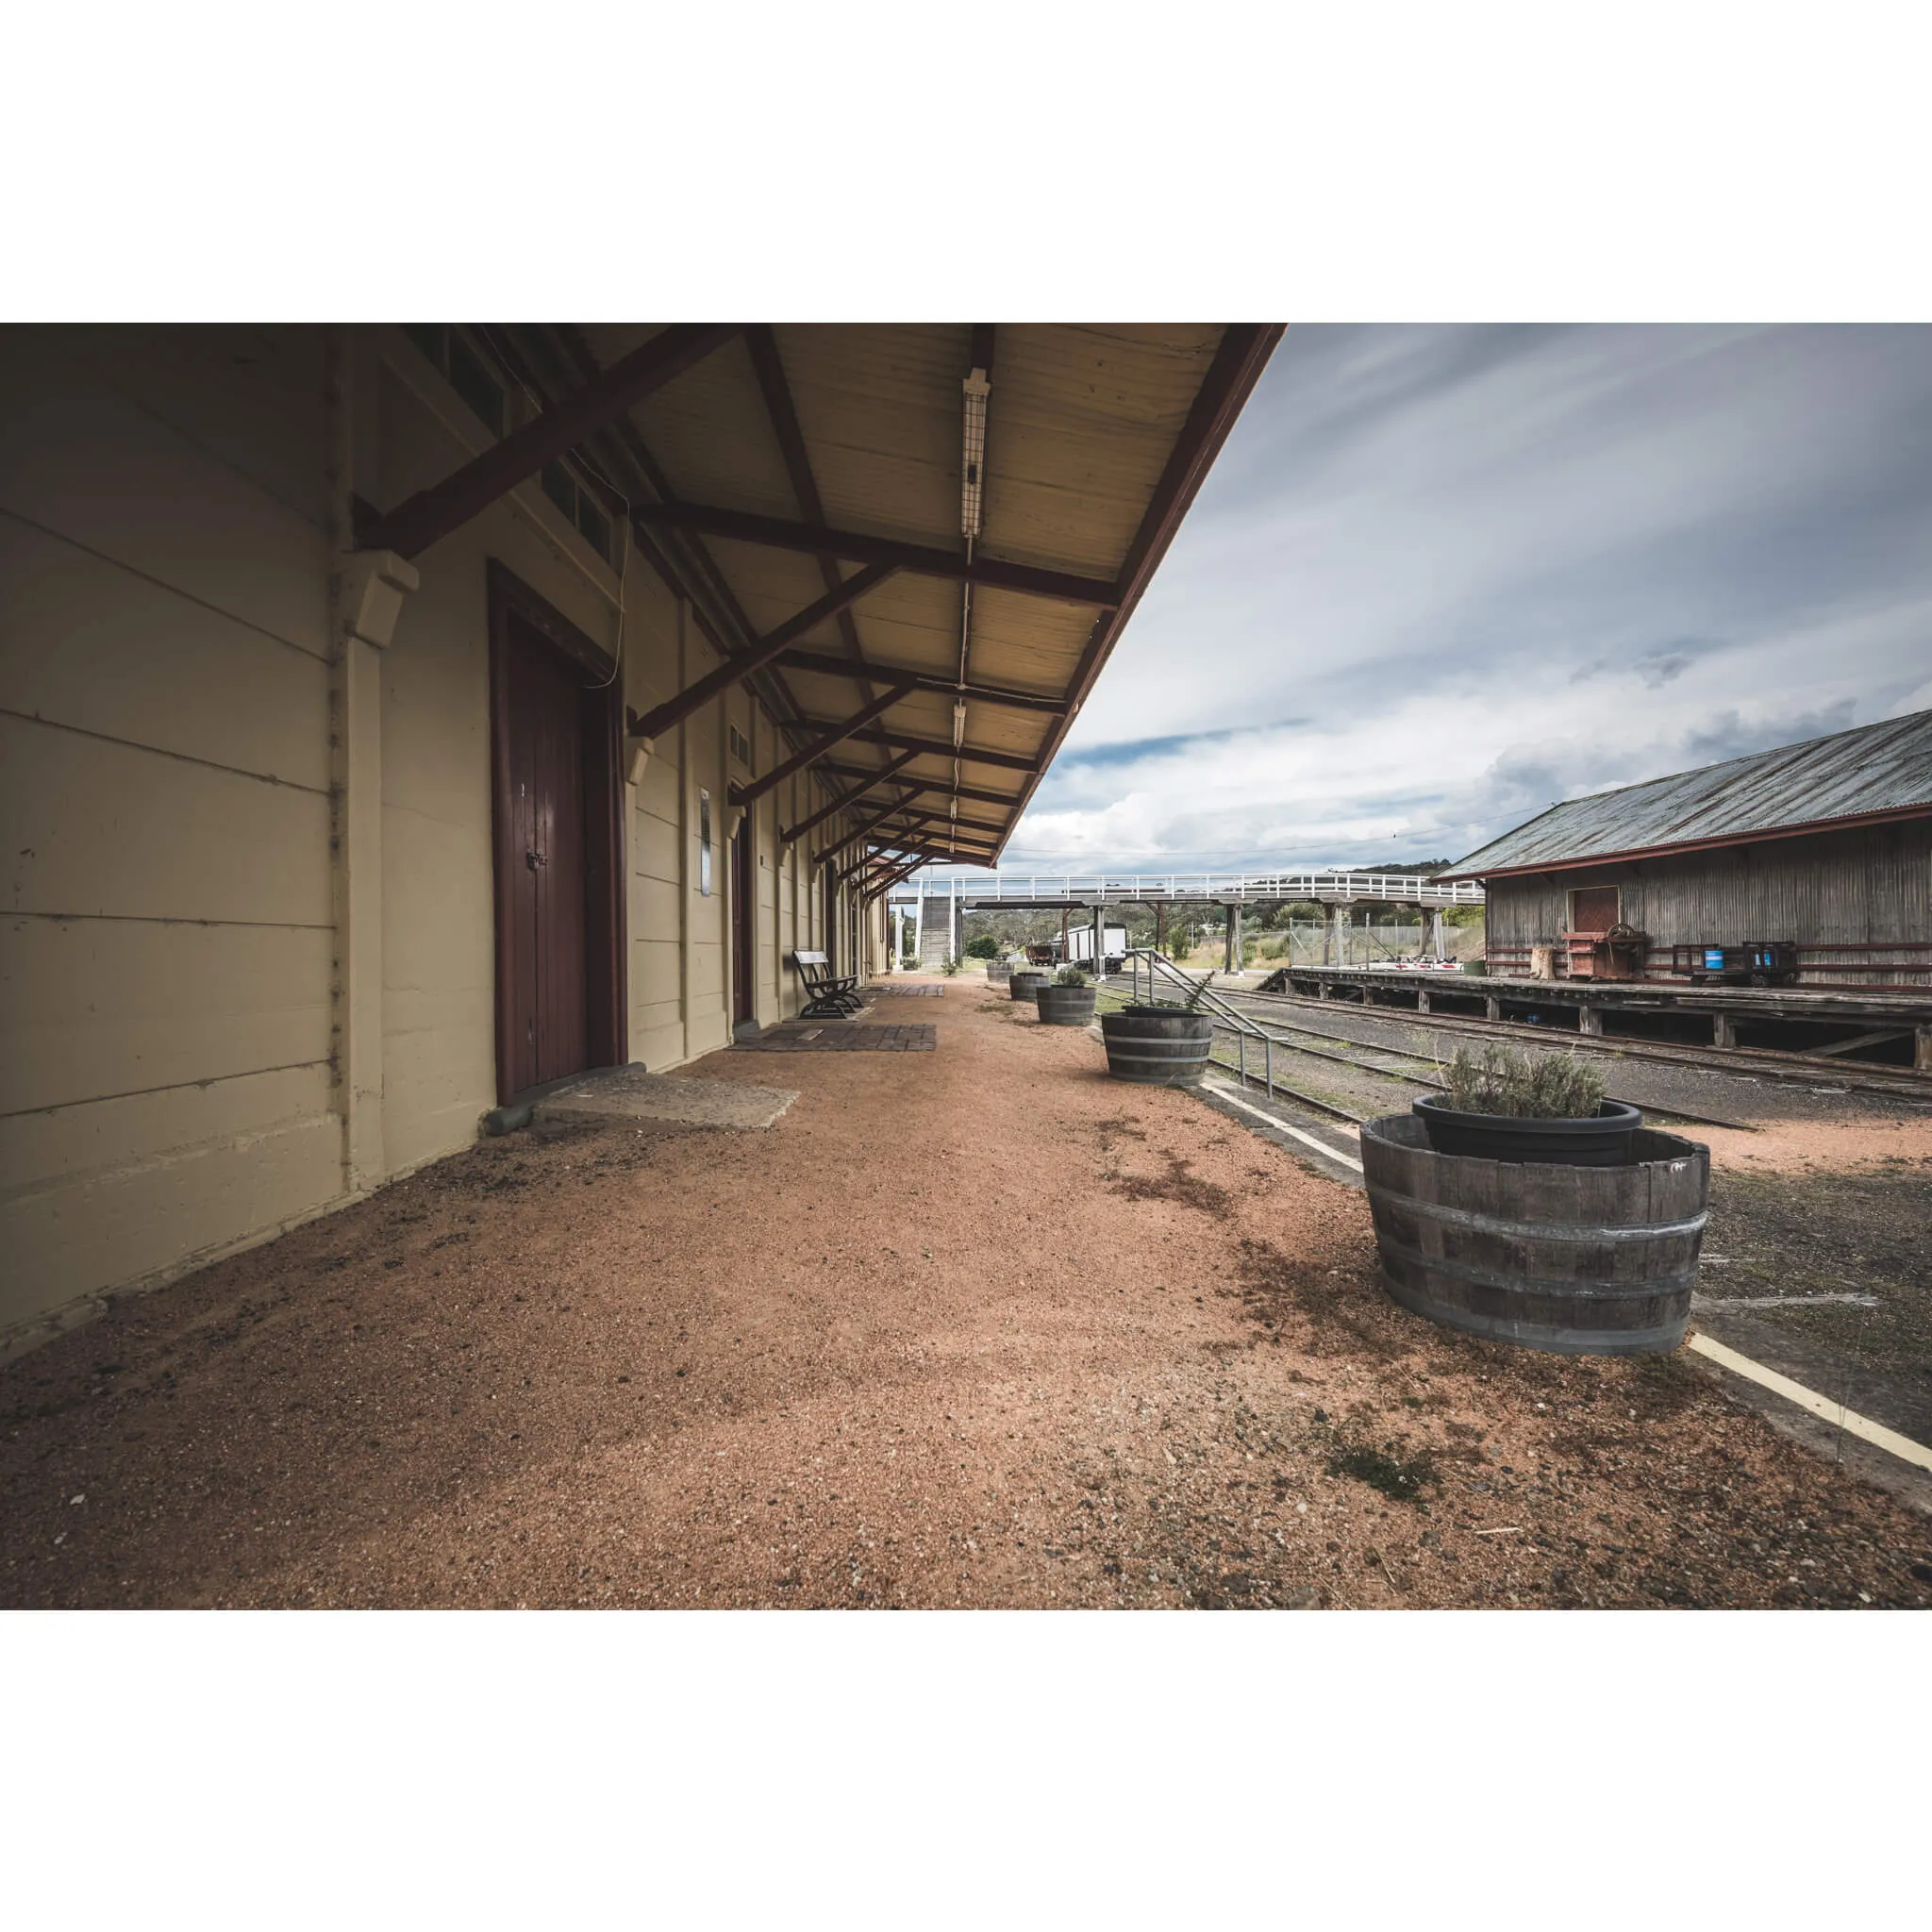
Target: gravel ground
970 1327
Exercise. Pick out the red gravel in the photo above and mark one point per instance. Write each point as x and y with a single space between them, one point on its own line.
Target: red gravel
975 1326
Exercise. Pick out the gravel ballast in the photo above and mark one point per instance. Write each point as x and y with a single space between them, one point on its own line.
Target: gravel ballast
969 1327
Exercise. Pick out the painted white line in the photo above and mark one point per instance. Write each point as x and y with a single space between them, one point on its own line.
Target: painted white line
1848 1420
1281 1127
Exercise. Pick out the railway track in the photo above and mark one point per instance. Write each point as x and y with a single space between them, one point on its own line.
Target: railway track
1369 1058
1759 1062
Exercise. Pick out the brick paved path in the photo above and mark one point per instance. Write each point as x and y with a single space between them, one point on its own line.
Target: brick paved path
830 1036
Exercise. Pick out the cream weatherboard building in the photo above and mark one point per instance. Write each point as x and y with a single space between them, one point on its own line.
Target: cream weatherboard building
397 717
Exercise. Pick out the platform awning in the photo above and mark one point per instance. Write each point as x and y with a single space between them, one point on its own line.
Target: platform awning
880 524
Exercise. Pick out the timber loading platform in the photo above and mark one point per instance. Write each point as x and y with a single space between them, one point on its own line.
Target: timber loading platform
1868 1029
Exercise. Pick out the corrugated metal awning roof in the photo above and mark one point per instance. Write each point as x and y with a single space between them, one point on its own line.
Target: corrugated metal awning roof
1098 438
1877 771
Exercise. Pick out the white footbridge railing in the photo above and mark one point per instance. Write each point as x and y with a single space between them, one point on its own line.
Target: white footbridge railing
1005 887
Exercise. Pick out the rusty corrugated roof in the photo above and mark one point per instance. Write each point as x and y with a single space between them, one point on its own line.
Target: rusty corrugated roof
1882 768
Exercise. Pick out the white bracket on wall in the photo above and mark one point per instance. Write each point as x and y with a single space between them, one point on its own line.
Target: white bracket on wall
734 816
375 582
640 750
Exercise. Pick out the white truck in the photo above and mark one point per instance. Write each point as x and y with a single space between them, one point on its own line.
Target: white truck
1080 947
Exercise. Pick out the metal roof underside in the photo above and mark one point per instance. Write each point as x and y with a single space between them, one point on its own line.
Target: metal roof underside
1085 428
1876 770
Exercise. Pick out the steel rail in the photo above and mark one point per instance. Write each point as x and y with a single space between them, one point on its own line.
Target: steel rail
1730 1059
1203 997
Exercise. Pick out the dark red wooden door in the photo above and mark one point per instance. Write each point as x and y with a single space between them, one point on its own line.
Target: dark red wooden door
1593 909
744 924
549 1018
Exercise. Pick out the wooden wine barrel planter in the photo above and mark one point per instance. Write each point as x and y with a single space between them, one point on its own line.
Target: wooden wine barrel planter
1066 1006
1024 985
998 972
1157 1046
1575 1260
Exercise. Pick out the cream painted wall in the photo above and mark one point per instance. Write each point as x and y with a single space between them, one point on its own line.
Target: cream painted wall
171 987
165 962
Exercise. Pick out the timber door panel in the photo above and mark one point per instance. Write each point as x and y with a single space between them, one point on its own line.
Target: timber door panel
1593 909
743 925
549 1011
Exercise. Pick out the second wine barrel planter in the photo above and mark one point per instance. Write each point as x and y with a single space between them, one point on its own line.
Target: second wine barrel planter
998 972
1157 1046
1574 1260
1024 985
1065 1005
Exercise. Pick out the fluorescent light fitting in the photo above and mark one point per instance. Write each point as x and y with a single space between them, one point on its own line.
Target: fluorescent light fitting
973 466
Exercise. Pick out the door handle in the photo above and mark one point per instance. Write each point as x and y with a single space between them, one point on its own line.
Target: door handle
535 858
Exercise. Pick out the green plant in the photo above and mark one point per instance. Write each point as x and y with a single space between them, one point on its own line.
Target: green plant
1070 975
1199 991
1525 1085
983 947
950 965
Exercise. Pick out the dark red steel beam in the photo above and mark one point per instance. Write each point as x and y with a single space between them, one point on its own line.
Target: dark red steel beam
419 520
828 736
931 784
862 830
984 572
794 833
941 748
1238 361
769 367
741 664
982 694
894 877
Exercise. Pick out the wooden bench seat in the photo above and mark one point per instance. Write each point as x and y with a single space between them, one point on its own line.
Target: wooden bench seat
827 995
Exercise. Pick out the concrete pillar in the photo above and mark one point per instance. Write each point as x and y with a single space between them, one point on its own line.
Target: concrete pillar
1493 1007
1337 934
1436 932
1422 999
1724 1030
1590 1020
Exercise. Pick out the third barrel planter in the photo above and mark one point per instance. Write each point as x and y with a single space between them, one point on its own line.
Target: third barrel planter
1024 985
1157 1046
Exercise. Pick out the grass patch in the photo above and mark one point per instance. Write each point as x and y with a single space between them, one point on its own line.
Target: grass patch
1398 1476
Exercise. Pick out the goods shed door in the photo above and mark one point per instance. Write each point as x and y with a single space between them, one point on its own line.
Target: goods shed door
1593 909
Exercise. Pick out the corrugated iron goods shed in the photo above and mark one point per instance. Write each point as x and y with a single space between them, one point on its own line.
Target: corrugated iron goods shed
880 525
1875 774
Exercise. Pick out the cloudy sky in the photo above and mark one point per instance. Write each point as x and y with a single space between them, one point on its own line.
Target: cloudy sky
1441 577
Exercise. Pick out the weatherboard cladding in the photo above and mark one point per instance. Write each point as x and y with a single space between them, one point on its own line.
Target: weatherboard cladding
1874 769
1857 904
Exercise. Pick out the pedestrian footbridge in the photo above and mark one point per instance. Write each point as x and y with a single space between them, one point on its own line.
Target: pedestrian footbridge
1050 891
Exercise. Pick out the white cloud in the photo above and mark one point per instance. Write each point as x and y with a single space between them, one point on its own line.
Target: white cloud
1465 567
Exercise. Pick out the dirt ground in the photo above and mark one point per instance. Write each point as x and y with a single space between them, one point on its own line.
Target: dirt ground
972 1327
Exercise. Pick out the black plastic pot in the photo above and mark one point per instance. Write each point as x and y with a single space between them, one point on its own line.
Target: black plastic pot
1600 1140
1024 985
1157 1046
1066 1006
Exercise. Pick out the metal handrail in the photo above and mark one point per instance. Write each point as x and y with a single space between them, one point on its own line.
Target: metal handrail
1202 998
1089 889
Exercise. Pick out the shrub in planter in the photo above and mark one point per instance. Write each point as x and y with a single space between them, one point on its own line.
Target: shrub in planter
1160 1046
1068 1002
1507 1104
